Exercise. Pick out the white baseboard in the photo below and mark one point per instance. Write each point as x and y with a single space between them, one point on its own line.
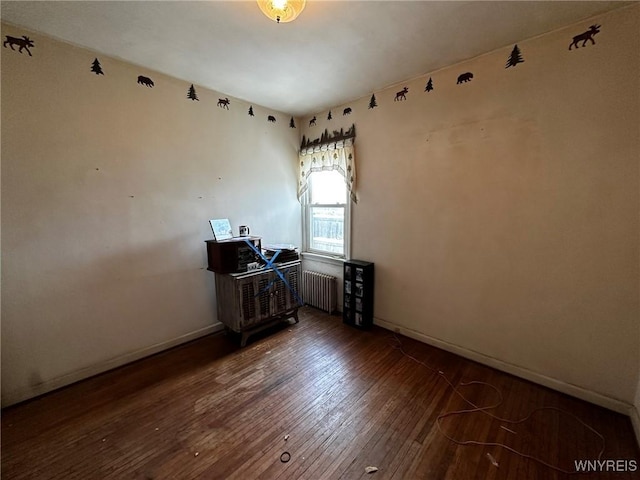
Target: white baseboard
555 384
22 394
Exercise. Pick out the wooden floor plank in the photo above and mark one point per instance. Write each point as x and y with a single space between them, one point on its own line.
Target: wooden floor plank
346 398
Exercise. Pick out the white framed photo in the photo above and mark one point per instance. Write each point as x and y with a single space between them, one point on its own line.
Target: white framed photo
221 228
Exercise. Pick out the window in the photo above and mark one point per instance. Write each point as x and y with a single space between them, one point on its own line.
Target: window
326 214
326 187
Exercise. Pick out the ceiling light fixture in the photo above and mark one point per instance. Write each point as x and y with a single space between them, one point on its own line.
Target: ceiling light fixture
281 11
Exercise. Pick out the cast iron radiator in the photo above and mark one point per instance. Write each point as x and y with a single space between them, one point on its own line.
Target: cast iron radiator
319 290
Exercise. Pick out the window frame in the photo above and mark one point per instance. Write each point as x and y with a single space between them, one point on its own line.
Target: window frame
306 226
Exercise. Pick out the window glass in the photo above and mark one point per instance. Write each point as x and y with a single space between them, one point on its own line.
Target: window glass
326 213
327 229
328 187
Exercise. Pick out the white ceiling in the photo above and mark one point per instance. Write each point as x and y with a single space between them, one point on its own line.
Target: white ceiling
335 52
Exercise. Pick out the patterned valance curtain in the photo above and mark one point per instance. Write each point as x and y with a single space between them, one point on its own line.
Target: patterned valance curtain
339 156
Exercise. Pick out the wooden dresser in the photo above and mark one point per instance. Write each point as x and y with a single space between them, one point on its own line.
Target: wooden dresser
252 301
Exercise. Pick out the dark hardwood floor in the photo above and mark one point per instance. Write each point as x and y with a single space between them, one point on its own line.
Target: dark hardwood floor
347 399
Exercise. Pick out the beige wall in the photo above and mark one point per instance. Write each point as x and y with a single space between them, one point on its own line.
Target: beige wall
502 214
107 187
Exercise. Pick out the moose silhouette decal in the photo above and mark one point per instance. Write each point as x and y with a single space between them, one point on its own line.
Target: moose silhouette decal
312 122
223 103
465 77
585 36
401 95
145 81
24 43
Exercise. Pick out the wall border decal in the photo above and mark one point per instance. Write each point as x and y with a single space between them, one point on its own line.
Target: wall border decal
584 37
429 86
327 138
146 81
464 77
401 95
96 67
515 58
24 43
192 95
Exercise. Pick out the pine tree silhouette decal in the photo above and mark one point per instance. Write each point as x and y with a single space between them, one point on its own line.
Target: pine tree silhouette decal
429 85
515 58
292 124
372 102
329 117
192 93
96 67
251 111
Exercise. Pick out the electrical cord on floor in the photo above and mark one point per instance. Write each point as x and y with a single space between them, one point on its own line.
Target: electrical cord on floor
475 408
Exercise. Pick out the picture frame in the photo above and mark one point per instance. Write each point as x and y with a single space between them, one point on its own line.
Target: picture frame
221 228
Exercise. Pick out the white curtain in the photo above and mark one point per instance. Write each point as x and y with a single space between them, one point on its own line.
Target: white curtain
339 156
